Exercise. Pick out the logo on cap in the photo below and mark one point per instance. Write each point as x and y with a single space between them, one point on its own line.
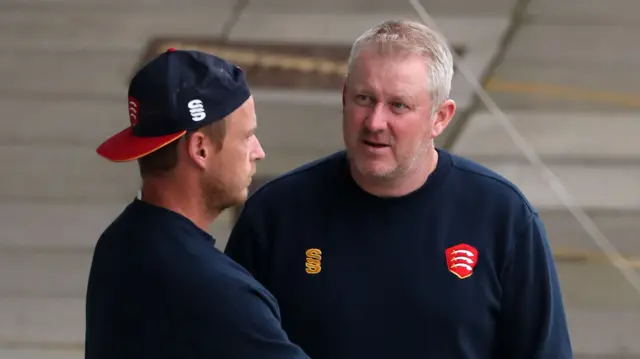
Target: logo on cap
134 109
197 110
461 260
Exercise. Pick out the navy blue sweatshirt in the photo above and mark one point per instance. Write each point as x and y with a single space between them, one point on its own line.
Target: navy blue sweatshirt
458 269
158 288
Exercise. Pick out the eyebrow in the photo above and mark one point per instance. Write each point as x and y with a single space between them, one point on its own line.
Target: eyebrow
402 96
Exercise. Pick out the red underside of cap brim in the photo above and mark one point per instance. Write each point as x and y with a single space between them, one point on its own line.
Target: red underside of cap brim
124 146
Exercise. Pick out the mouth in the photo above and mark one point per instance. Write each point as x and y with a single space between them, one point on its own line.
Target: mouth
374 144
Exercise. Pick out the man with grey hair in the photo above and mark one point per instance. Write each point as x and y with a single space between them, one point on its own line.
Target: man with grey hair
395 248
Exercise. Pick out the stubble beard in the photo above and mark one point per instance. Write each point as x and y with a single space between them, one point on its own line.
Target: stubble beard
401 168
219 197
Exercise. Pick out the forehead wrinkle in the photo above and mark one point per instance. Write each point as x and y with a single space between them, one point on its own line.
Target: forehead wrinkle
398 92
368 76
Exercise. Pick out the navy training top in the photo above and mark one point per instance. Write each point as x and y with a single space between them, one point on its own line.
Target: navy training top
460 268
158 288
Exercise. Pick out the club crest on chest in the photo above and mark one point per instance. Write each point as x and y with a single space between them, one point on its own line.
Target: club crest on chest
461 260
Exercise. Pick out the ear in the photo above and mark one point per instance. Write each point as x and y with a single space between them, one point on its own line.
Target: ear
443 116
344 89
197 149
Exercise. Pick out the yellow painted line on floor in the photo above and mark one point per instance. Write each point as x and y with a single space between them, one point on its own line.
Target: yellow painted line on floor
582 256
563 92
41 345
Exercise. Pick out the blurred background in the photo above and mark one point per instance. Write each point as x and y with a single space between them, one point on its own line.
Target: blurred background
564 72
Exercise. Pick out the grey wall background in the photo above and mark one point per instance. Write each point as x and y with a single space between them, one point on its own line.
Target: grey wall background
564 71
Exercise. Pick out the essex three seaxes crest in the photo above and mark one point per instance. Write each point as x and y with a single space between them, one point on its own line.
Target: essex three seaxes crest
461 260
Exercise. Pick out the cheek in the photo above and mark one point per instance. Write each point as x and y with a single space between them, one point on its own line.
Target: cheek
409 135
237 156
248 153
353 119
245 153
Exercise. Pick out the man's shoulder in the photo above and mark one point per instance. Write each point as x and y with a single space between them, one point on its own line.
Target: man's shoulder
215 276
226 273
485 182
307 177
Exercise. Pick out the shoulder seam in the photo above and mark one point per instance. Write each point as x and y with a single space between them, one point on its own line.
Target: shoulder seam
511 187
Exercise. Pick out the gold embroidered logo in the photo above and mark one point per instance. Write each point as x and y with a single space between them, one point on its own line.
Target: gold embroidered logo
314 261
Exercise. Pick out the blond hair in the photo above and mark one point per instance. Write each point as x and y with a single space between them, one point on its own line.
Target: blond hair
401 37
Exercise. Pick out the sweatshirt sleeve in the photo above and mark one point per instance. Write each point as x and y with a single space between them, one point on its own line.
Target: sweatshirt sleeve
231 320
532 322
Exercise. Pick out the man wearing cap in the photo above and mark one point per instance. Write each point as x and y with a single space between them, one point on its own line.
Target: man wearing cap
158 288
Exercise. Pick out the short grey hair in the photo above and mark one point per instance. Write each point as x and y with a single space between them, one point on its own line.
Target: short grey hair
410 37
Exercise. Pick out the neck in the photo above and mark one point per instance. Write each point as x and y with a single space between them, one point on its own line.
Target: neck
400 185
184 200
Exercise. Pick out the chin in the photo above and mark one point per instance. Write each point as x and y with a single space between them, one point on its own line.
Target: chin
375 168
242 197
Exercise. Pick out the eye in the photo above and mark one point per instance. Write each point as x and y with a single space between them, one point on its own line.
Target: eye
363 100
399 107
250 135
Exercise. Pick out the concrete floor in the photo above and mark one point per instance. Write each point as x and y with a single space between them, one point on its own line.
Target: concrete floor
560 69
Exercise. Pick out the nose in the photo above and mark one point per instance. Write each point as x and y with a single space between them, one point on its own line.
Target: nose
376 120
258 151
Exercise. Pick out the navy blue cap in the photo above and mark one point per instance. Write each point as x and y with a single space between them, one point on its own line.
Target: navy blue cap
176 92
